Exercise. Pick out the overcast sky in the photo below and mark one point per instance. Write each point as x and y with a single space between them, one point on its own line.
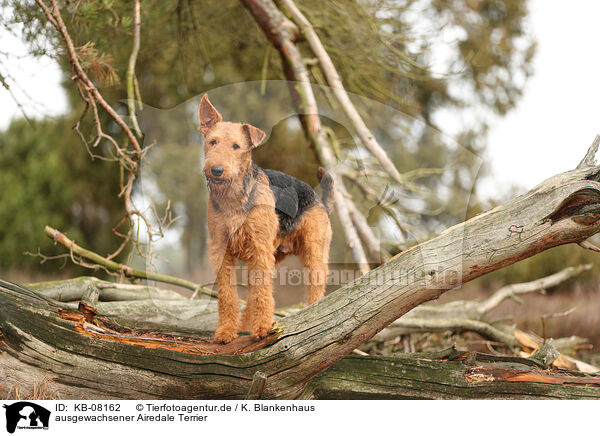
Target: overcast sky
547 133
559 115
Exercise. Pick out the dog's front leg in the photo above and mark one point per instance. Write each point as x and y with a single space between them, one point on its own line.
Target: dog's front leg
260 300
228 300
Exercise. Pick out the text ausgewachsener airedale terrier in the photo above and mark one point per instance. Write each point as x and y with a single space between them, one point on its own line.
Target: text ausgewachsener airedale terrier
258 216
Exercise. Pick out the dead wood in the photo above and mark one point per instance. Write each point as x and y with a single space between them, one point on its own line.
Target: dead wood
69 349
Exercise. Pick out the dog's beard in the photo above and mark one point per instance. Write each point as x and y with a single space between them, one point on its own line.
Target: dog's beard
231 189
220 190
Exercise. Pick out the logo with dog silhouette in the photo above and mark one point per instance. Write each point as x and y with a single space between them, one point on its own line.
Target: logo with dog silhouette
26 415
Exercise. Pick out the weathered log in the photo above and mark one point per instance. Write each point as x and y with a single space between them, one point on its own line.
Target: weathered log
369 377
410 377
472 315
73 290
140 306
146 307
40 332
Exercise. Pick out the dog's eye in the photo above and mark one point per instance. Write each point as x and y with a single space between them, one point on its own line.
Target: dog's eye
235 146
213 142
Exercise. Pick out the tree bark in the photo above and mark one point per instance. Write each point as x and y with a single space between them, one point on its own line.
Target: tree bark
70 346
410 377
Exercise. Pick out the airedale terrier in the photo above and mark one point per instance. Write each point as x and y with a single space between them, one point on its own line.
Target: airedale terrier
258 216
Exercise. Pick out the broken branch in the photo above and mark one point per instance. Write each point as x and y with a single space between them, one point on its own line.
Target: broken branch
120 268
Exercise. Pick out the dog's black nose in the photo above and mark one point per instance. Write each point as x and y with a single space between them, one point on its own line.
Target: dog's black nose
216 171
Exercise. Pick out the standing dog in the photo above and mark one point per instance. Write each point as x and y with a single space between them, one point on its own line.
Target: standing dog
258 216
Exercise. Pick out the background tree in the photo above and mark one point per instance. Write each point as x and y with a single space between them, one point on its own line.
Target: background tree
384 50
46 177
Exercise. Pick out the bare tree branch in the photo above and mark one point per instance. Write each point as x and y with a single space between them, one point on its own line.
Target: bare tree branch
6 86
539 285
282 33
336 85
128 159
470 315
589 160
131 82
120 268
589 246
377 253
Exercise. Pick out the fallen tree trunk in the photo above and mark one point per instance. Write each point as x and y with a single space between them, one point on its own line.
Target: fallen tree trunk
146 307
411 377
354 377
472 315
70 346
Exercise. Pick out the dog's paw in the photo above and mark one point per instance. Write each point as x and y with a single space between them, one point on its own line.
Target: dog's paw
225 335
262 330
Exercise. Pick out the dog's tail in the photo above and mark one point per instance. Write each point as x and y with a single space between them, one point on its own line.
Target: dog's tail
326 182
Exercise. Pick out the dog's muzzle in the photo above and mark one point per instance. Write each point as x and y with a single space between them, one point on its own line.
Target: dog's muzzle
214 181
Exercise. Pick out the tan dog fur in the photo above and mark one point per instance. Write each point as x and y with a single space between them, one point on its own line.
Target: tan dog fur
252 235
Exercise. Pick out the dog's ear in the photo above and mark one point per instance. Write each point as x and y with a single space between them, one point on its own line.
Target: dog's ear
209 116
255 135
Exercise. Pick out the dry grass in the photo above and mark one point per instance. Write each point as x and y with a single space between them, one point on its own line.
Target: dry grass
40 391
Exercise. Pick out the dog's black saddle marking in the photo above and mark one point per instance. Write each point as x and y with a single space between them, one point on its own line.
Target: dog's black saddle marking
293 197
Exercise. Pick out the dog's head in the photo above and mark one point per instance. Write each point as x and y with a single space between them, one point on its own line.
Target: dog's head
227 147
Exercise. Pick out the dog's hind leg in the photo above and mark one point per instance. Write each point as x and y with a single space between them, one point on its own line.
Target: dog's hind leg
313 258
314 251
